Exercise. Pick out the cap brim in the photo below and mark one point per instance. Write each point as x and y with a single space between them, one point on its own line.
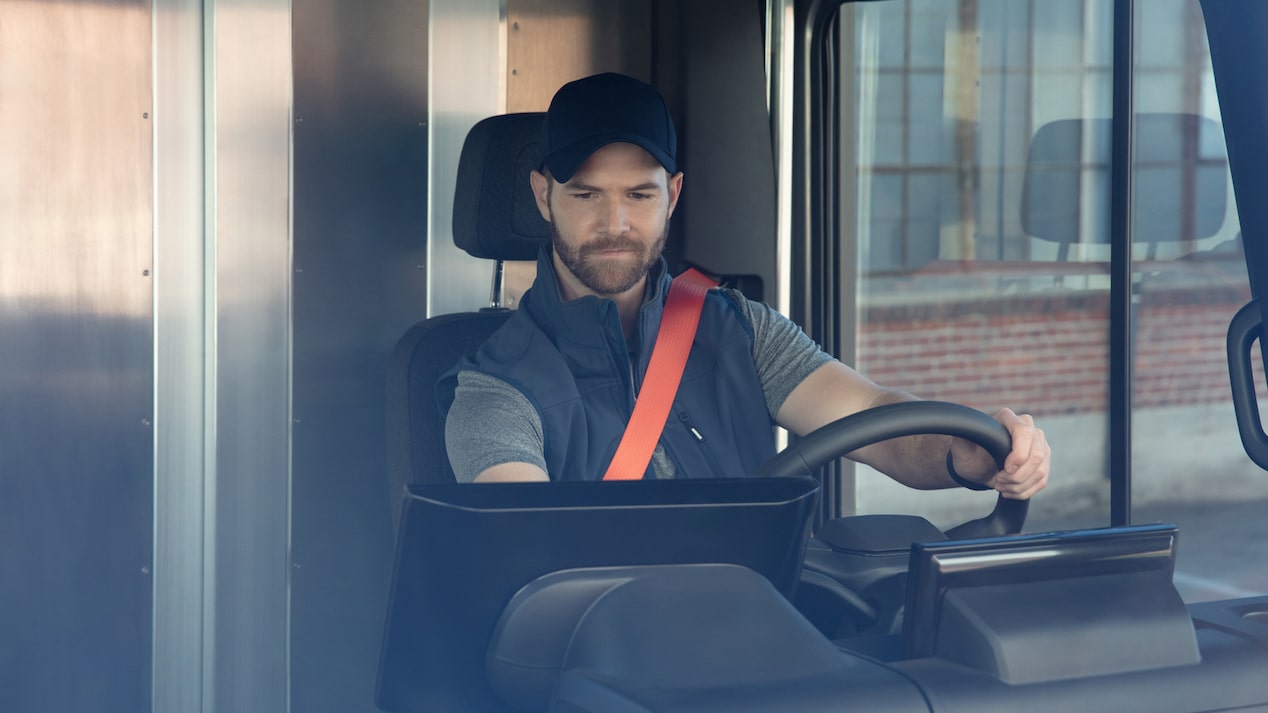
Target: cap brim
564 162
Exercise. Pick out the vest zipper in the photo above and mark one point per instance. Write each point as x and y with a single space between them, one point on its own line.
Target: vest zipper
621 348
685 419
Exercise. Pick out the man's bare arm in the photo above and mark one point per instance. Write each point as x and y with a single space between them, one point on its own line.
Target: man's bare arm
834 391
512 473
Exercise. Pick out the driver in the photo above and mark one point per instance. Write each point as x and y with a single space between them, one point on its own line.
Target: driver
549 394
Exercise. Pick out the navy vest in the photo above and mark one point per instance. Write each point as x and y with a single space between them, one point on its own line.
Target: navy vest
570 360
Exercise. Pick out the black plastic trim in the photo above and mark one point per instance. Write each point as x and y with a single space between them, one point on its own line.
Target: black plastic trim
1121 309
1246 327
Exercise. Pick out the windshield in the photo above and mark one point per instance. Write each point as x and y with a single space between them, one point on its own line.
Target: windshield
976 199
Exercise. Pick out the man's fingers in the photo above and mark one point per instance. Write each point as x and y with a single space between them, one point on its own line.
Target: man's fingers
1028 491
1026 468
1021 429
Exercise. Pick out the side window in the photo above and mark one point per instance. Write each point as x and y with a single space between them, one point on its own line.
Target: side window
979 156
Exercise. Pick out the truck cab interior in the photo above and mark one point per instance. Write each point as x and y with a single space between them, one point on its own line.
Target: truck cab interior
240 240
664 596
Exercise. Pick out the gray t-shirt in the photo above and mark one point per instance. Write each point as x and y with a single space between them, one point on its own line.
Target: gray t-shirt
492 422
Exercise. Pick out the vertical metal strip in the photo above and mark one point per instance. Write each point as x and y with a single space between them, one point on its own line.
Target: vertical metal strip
179 346
781 79
252 352
210 349
1121 196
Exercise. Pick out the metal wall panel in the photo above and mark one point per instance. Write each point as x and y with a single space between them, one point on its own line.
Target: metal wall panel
75 356
360 241
249 507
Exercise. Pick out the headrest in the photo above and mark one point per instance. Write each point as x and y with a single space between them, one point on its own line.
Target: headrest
1170 149
495 216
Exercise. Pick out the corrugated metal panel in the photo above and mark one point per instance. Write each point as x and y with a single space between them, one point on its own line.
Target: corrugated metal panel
360 243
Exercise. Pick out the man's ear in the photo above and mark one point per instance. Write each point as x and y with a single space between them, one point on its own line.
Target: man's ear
674 187
541 191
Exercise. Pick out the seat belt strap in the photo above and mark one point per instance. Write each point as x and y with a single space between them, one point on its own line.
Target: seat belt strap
664 372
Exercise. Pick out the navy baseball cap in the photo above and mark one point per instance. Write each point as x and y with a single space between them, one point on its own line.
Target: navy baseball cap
602 109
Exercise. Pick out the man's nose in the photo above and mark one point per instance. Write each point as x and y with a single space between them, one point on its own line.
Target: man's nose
617 217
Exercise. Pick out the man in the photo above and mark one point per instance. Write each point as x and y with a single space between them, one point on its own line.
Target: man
548 395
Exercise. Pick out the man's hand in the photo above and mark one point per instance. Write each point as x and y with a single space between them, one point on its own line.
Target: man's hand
1025 470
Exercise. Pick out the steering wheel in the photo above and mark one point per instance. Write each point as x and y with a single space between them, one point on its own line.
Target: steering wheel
908 418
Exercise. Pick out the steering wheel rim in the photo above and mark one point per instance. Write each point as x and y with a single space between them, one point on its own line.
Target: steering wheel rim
908 418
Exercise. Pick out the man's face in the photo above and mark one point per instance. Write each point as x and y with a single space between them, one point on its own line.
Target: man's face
609 221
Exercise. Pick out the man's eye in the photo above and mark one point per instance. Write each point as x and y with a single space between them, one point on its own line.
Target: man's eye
583 196
641 196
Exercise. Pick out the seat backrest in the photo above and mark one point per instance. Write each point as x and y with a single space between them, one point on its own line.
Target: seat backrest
496 218
415 429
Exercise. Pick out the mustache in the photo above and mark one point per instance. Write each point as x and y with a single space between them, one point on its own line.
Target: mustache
611 242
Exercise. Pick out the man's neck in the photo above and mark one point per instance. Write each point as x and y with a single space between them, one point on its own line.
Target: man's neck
628 302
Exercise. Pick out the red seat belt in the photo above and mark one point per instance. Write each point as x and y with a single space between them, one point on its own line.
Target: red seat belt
664 372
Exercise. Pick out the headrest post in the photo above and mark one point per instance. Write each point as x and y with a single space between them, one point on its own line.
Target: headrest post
495 296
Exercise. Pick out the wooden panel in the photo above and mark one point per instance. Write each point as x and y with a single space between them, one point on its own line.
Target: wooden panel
552 42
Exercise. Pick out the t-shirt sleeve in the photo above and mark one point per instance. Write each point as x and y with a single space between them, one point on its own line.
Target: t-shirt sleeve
490 423
783 353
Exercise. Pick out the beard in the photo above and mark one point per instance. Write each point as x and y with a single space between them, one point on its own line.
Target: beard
603 276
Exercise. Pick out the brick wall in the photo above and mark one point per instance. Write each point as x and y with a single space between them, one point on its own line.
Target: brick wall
1049 354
